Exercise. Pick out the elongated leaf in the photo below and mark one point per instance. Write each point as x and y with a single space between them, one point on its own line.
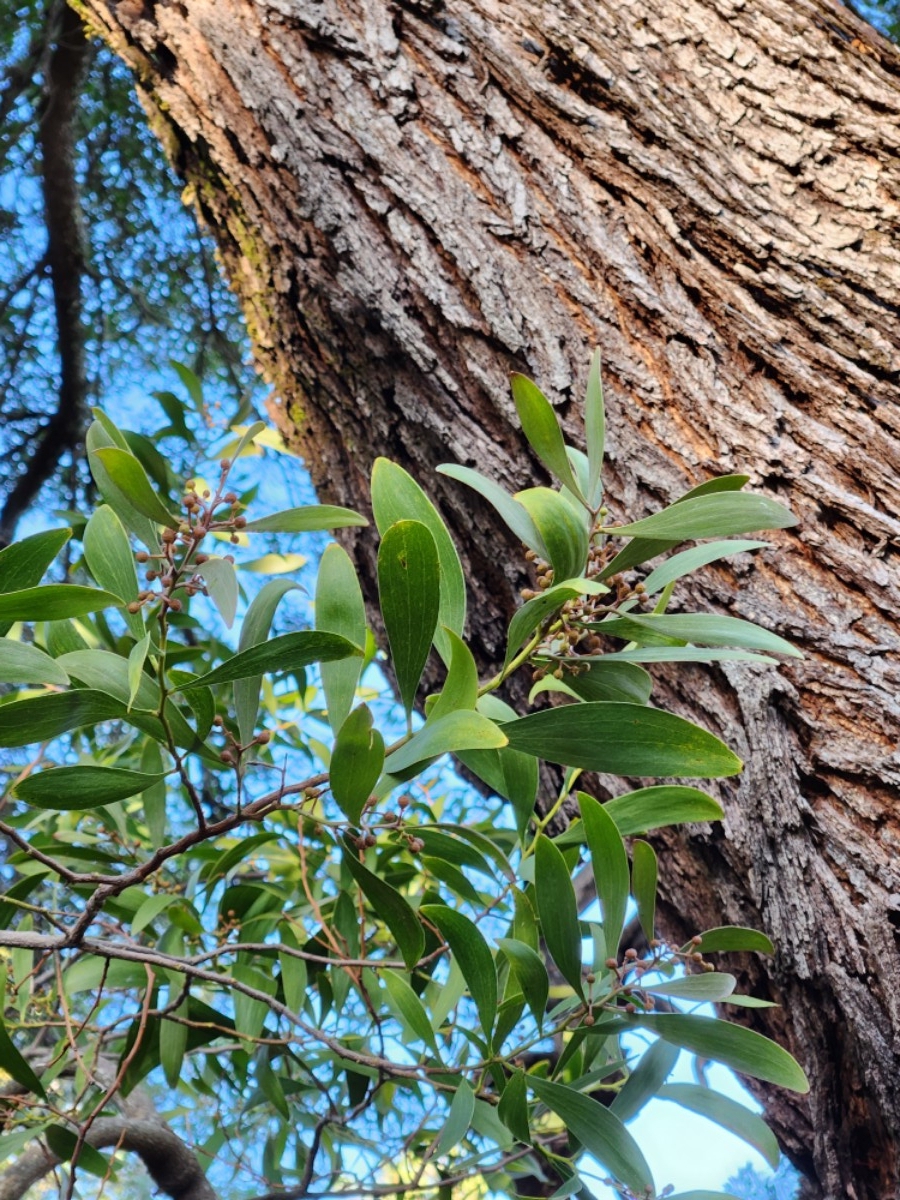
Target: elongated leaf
340 609
255 629
473 956
461 730
558 911
655 807
111 561
63 788
154 797
101 435
741 1049
307 519
563 530
136 658
460 690
54 602
294 974
609 863
623 739
459 1118
20 662
703 628
105 671
513 1107
221 582
530 974
41 718
63 1143
390 906
711 987
410 1009
594 430
717 515
658 654
600 679
725 1112
536 610
11 1061
600 1132
691 560
541 428
356 762
646 1079
732 937
289 652
514 516
397 497
130 478
644 872
173 1039
22 565
409 583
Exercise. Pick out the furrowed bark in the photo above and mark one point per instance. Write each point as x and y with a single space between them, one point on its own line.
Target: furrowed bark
413 198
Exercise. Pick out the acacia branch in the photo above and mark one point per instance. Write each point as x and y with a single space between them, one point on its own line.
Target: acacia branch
66 257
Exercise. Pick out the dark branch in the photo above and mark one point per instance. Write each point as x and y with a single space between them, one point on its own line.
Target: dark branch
66 256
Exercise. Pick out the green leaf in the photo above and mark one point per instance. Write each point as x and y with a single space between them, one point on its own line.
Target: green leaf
461 730
513 1107
289 652
100 437
154 797
54 602
600 1132
644 871
531 975
736 1047
11 1061
20 662
460 690
106 671
221 582
541 428
711 987
150 909
294 974
701 628
609 863
396 497
22 565
459 1118
249 1012
655 807
356 763
600 679
306 519
409 588
41 718
725 1112
410 1009
340 609
645 1080
111 562
563 530
594 430
514 516
255 629
64 788
536 610
558 911
63 1143
623 739
691 560
390 906
717 515
173 1038
659 654
130 478
137 656
473 956
732 937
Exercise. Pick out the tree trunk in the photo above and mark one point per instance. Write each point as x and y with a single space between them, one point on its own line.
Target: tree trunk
413 197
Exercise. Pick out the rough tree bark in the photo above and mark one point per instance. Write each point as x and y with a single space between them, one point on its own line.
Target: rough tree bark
414 196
